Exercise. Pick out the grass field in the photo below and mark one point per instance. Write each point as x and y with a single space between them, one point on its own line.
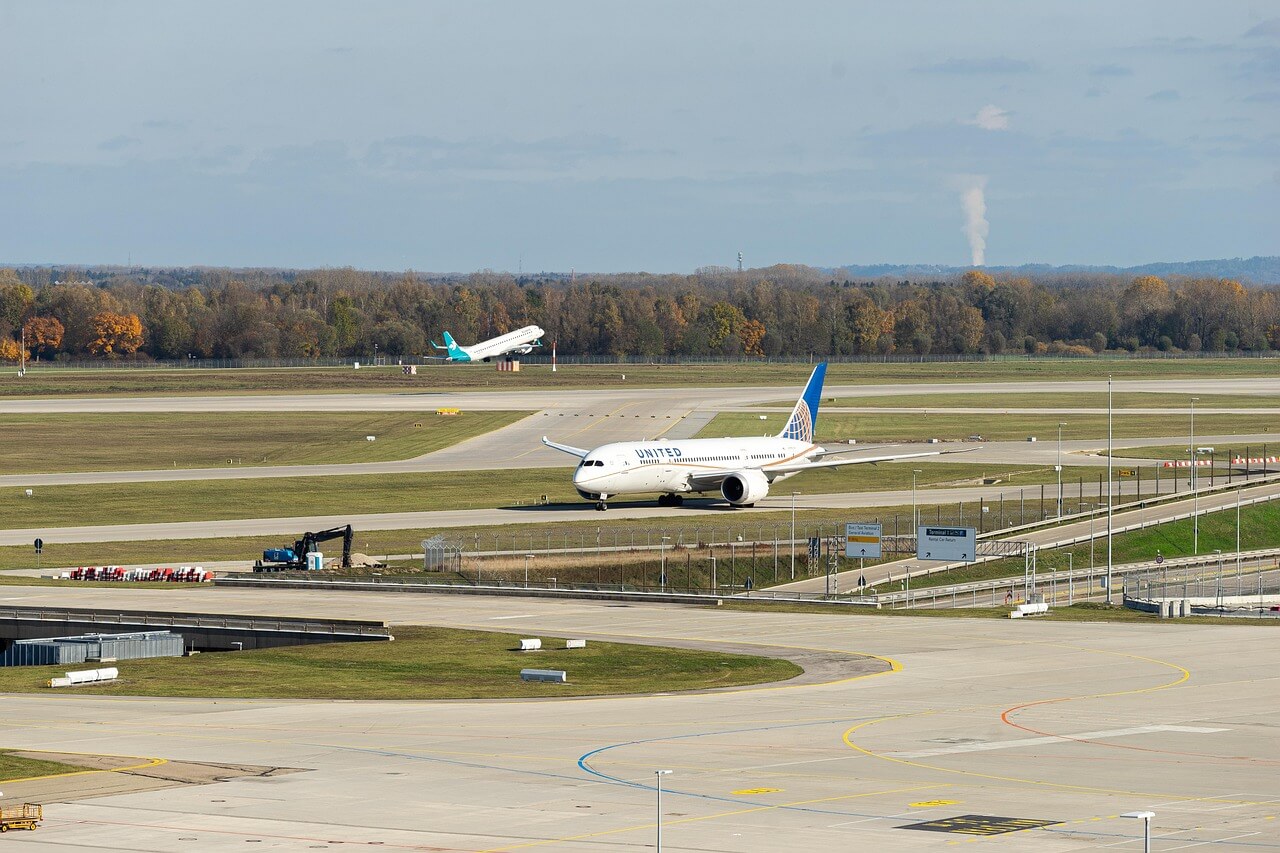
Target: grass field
834 426
45 382
1049 400
124 442
211 500
422 663
548 534
20 767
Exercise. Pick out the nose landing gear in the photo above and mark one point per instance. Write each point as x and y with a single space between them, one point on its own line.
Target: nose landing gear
601 506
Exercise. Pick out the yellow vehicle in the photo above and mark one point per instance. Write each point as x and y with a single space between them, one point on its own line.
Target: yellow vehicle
25 816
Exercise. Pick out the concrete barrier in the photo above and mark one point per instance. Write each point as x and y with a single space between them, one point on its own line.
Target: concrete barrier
556 675
1038 609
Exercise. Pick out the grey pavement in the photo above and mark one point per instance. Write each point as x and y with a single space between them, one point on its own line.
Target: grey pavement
1072 724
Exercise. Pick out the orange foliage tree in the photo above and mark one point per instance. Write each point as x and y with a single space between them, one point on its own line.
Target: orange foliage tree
10 350
44 334
115 334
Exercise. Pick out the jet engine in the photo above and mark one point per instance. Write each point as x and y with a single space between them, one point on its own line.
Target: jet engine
744 488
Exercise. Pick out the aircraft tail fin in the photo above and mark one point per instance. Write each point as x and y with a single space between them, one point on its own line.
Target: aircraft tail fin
456 352
804 417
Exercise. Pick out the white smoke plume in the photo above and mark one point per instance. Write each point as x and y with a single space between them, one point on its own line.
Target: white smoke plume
974 202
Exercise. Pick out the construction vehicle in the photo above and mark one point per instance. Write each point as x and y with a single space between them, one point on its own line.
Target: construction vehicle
294 558
25 816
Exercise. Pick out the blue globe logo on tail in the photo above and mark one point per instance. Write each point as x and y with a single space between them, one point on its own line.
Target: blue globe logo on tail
804 417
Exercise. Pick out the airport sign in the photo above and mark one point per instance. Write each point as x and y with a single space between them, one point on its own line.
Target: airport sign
862 540
951 544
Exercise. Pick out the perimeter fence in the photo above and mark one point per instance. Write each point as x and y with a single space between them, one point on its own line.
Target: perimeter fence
1229 586
389 360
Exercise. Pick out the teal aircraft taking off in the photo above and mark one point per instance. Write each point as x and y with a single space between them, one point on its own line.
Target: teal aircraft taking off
519 342
740 469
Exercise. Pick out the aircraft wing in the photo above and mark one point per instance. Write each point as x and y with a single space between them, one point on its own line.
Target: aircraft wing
564 448
795 467
851 449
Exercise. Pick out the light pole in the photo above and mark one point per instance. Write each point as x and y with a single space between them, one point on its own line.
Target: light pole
527 558
1218 551
1111 489
793 535
658 774
1145 817
662 571
1195 495
915 513
1058 468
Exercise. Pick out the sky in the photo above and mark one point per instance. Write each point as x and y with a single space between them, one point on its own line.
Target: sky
654 136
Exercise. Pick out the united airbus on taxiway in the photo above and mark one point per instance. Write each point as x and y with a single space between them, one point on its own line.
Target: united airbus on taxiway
740 469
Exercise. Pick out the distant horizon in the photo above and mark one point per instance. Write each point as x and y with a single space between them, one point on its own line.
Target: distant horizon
1075 265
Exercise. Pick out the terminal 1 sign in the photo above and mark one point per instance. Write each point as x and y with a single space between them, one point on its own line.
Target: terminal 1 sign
949 544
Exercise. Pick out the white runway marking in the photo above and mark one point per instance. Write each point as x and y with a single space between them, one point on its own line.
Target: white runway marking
520 616
1042 741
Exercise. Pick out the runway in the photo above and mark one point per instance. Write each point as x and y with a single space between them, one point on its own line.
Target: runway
1069 724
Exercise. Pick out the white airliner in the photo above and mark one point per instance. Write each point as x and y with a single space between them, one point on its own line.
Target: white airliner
740 469
521 341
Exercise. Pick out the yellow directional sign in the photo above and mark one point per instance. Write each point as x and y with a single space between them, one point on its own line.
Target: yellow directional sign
1128 472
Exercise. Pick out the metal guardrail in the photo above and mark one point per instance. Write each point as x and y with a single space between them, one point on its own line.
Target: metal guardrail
197 620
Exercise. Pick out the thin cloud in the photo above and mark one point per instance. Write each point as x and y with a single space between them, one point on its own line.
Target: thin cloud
119 143
1111 69
1269 29
1164 95
990 117
991 65
1262 98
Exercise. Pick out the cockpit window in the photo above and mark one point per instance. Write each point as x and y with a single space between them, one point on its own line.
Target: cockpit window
588 463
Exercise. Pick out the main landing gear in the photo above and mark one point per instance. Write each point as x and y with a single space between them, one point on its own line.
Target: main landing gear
670 500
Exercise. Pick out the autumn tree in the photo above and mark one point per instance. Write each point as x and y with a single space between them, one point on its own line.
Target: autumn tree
10 350
115 334
43 334
16 299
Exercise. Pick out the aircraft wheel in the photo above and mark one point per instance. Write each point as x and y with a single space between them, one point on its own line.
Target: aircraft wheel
601 506
677 500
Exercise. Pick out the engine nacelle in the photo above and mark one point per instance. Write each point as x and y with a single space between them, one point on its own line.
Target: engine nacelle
743 488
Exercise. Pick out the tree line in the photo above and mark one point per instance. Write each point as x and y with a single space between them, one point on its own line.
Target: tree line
778 311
